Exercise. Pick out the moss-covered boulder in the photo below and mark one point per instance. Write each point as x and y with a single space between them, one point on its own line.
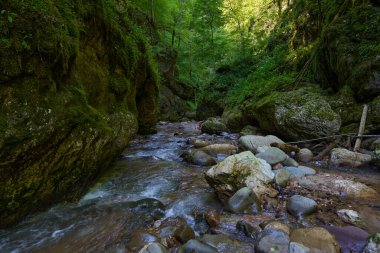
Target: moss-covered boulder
295 115
349 51
234 119
77 80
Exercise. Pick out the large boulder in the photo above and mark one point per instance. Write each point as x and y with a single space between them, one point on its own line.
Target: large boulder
213 126
341 156
296 115
317 239
253 142
238 171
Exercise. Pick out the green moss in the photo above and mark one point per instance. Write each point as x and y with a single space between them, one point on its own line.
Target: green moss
120 85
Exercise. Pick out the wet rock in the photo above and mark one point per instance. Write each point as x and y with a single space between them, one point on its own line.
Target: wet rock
277 226
252 142
317 239
249 130
282 177
273 155
198 247
139 239
215 149
290 162
272 240
350 238
298 248
154 248
234 119
248 228
212 218
220 242
337 186
201 224
349 216
305 155
373 244
300 206
213 126
152 207
171 227
341 156
243 200
238 171
198 143
184 233
300 171
198 157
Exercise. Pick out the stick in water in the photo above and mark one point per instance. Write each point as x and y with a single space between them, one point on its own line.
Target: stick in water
361 129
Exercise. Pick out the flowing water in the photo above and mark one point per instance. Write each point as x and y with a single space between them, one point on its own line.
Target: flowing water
123 199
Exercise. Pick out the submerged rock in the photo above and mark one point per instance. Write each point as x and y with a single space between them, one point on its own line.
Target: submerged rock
272 240
253 142
213 126
317 239
341 156
300 206
238 171
243 200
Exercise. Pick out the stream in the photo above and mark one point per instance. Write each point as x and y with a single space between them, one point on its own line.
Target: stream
124 199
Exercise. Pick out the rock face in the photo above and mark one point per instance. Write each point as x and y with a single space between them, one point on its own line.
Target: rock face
66 112
213 126
341 156
300 206
238 171
296 115
253 142
316 239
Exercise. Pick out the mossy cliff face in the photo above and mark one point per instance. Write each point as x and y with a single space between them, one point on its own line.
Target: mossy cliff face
77 80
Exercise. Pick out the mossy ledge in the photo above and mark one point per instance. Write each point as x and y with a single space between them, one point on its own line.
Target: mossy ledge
77 81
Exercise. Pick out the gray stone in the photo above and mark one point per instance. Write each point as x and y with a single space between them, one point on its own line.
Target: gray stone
300 206
242 200
252 142
216 149
273 155
201 158
300 171
154 248
282 177
290 162
248 228
305 155
272 240
341 156
298 248
198 247
238 171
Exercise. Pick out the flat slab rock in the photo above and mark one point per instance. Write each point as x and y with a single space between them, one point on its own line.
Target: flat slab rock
336 185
